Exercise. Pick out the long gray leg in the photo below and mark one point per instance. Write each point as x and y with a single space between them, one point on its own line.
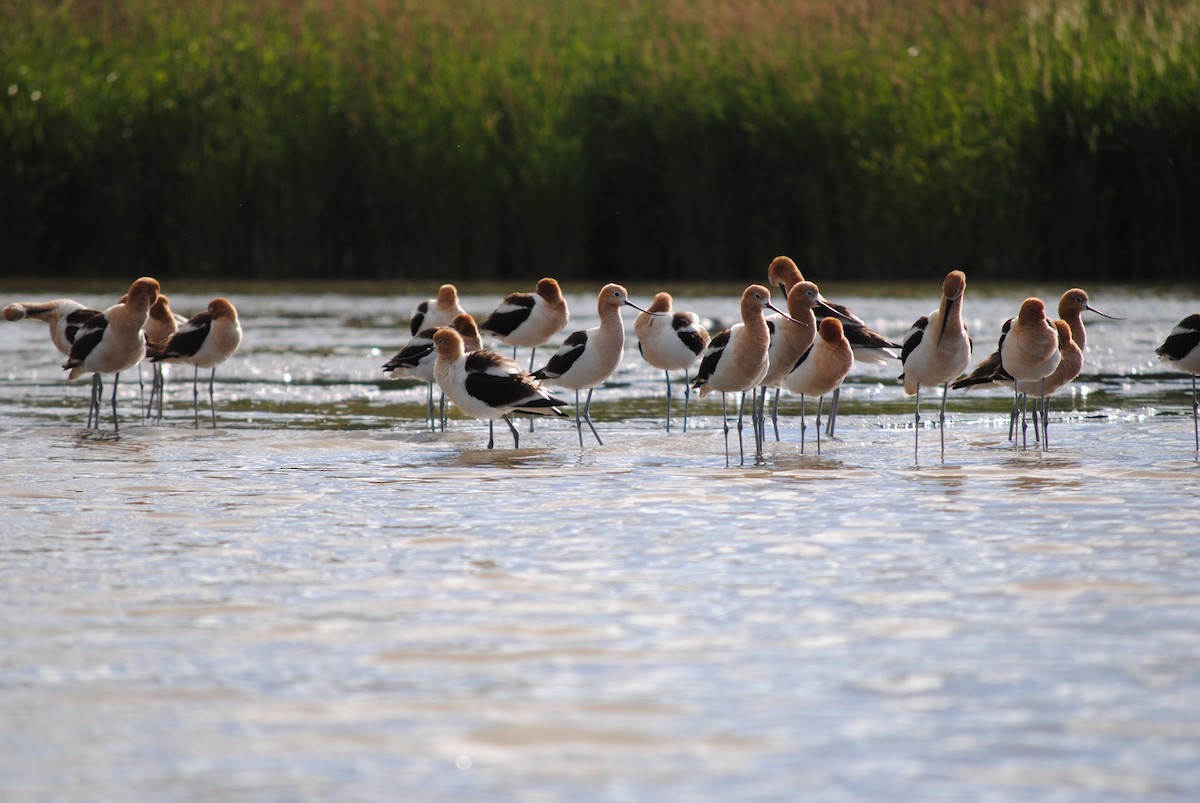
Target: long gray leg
516 435
820 402
153 409
1045 409
212 405
668 375
142 392
757 419
429 407
942 419
93 403
760 428
1024 421
116 423
725 423
741 414
587 416
917 428
775 415
833 410
578 422
803 428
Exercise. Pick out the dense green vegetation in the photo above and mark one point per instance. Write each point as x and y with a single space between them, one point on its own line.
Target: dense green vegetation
481 139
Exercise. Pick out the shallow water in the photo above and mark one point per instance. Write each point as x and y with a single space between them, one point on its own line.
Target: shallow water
321 600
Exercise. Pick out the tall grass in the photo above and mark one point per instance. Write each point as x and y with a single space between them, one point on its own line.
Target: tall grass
596 139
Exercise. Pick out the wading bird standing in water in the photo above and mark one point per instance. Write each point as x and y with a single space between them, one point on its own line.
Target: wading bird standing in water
736 361
208 339
670 340
869 346
418 357
820 370
487 386
160 325
1181 350
111 342
587 358
936 350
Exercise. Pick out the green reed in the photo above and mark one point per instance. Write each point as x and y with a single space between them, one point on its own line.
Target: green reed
495 139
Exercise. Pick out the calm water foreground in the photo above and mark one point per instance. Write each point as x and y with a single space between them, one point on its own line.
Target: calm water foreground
320 600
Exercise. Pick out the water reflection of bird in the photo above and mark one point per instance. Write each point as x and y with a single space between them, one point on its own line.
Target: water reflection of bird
111 342
936 350
418 357
487 386
1181 350
821 370
588 357
670 340
869 346
736 361
208 339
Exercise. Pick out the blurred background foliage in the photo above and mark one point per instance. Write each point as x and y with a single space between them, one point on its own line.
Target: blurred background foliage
599 139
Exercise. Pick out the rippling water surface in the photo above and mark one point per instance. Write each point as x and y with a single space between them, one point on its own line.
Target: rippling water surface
322 600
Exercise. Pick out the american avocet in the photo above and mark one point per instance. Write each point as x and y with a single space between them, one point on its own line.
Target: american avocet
208 339
820 370
64 315
1029 351
869 346
528 319
487 386
590 356
1070 363
936 350
990 372
162 321
791 336
160 325
418 357
736 361
1071 307
670 341
435 312
111 342
1181 350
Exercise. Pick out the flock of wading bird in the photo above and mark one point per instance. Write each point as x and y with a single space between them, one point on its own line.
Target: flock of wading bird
140 326
809 350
